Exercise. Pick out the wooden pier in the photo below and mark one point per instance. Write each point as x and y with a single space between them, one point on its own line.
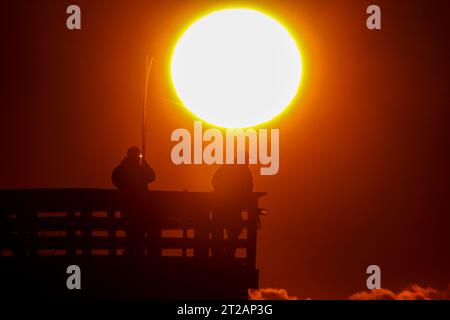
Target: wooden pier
43 231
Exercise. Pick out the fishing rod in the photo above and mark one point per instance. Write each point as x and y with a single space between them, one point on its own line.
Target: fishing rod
148 67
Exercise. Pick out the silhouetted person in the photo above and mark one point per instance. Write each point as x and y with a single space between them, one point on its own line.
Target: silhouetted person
230 182
132 177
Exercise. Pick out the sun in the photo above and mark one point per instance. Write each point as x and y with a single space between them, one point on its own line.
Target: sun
236 68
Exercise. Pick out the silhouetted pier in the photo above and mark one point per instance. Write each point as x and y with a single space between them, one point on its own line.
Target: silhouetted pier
43 231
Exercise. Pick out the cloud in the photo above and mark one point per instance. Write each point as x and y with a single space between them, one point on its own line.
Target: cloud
269 294
413 292
377 294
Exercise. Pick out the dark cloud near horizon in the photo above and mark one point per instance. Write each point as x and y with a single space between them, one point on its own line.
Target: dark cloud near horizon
412 292
270 294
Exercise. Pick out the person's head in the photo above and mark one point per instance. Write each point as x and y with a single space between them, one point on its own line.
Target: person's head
134 154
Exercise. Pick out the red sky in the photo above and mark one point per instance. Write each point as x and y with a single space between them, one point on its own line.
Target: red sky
364 175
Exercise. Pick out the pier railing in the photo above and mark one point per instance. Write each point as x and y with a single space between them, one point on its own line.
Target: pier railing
47 222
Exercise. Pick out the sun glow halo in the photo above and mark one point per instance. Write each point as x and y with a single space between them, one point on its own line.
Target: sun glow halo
236 68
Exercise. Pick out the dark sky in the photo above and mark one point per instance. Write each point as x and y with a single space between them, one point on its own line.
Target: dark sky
364 176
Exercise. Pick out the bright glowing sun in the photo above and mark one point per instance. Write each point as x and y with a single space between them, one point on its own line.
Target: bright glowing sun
236 68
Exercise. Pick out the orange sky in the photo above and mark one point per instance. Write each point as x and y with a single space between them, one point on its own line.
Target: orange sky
363 149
